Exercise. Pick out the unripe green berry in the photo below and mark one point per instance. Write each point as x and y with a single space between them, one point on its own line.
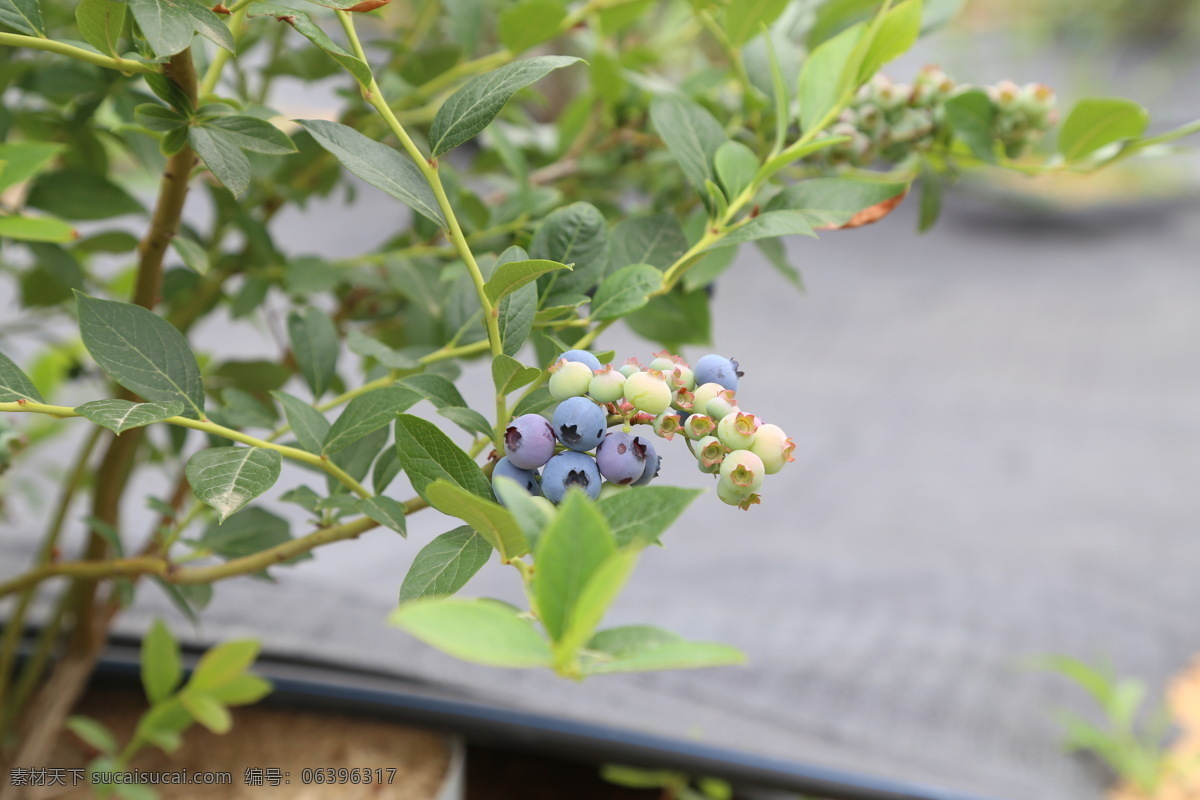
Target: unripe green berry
773 446
721 406
630 366
569 379
710 453
682 401
648 392
681 377
666 424
743 469
703 394
737 430
607 386
697 426
734 496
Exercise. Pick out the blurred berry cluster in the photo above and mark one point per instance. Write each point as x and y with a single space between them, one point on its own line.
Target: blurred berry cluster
888 121
669 397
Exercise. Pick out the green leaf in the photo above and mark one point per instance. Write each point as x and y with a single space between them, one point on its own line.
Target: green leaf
690 132
436 389
480 631
516 312
251 133
222 664
101 23
655 239
166 24
970 115
210 26
304 25
823 83
569 551
366 413
22 15
385 511
641 648
512 275
378 165
535 402
674 319
161 666
743 18
227 478
121 415
444 566
529 23
78 193
896 33
508 374
141 351
94 733
426 455
640 515
472 108
250 532
736 165
575 234
779 93
468 419
833 201
769 225
242 690
931 198
626 290
15 384
1099 121
601 589
531 516
363 345
492 521
308 424
37 229
356 459
776 255
20 161
207 711
222 156
194 256
315 345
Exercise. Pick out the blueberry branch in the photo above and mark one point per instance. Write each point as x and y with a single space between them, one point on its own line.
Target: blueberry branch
293 453
61 48
171 572
429 170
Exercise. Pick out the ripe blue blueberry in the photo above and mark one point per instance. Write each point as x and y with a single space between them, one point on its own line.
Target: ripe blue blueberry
569 469
529 441
621 457
527 479
579 423
651 472
713 368
583 357
653 462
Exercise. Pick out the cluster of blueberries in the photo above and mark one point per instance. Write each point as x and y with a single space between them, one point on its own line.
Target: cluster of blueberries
670 397
889 121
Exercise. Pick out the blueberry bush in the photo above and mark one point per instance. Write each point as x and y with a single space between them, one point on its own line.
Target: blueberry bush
568 165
